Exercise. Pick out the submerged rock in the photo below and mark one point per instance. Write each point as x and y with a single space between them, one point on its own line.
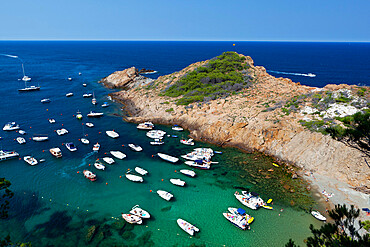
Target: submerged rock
90 234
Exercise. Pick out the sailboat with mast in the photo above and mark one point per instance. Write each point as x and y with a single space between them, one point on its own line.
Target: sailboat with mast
93 101
26 79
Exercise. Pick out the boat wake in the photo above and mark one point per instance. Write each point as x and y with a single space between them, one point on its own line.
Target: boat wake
67 170
290 73
7 55
148 73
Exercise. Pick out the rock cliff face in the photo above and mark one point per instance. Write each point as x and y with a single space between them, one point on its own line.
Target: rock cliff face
245 121
127 79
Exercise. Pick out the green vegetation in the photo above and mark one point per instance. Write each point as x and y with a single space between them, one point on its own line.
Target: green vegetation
169 110
361 91
222 76
343 232
5 195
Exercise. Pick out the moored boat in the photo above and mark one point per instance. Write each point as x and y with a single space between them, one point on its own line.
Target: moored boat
177 182
136 210
135 147
6 155
189 173
155 134
56 152
318 215
132 219
40 138
87 95
167 157
30 160
177 128
164 194
90 125
22 132
51 120
187 227
241 212
79 115
187 142
112 134
95 114
146 126
134 178
156 142
108 160
250 200
118 154
89 175
61 132
46 100
96 147
11 126
237 220
71 147
141 171
99 165
69 94
21 140
85 140
105 104
199 164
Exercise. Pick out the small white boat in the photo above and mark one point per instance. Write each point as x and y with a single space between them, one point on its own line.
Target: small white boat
45 101
118 154
168 157
42 160
108 160
155 134
85 141
134 178
146 126
93 101
99 165
241 212
79 73
132 219
189 173
177 128
187 142
51 120
112 133
237 220
89 175
87 95
11 126
141 171
26 78
95 114
90 125
249 200
96 147
164 194
69 94
61 132
56 152
136 148
71 147
6 155
30 160
177 182
187 227
136 210
84 84
199 164
318 216
40 138
29 88
69 78
22 132
21 140
105 104
79 115
156 142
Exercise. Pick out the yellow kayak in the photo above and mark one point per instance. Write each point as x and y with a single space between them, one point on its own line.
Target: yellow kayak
269 200
275 164
267 207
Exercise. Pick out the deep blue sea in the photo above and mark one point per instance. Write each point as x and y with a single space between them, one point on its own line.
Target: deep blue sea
56 205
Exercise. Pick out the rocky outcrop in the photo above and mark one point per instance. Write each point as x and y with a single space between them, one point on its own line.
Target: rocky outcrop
249 122
127 79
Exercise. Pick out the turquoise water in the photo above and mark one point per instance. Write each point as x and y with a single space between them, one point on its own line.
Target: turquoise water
56 205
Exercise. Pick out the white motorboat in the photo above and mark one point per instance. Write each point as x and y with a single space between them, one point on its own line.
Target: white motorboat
118 154
241 212
6 155
134 178
90 125
87 95
85 140
42 160
69 94
164 194
84 84
156 142
318 215
61 132
22 132
177 128
112 133
108 160
69 78
168 157
187 142
177 182
79 115
45 101
136 210
132 219
56 152
11 126
136 148
198 164
145 126
40 138
30 88
79 73
21 140
51 120
155 134
187 227
26 78
249 200
30 160
105 104
89 175
141 171
96 147
189 173
71 147
95 114
237 220
99 165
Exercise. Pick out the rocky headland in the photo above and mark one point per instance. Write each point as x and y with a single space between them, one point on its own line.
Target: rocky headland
272 115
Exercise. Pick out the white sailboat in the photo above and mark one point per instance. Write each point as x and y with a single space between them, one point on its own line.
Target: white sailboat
93 101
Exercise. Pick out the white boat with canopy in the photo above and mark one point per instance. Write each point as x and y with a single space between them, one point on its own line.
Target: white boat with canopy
145 126
11 126
56 152
96 147
241 212
237 220
5 155
21 140
199 164
187 227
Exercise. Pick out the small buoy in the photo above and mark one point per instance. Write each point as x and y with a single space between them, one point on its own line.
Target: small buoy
30 138
233 44
79 139
98 159
73 115
43 150
162 179
62 124
47 109
175 171
19 158
152 156
106 183
89 165
30 127
78 172
105 153
14 139
61 114
120 176
150 190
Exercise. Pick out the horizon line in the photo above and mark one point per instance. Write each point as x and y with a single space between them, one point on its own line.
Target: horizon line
175 40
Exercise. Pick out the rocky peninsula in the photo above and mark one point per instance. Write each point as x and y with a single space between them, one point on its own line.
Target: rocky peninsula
272 115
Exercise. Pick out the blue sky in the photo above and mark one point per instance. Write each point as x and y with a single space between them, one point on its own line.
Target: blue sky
262 20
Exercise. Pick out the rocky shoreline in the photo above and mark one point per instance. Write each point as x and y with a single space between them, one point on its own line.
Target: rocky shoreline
251 121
